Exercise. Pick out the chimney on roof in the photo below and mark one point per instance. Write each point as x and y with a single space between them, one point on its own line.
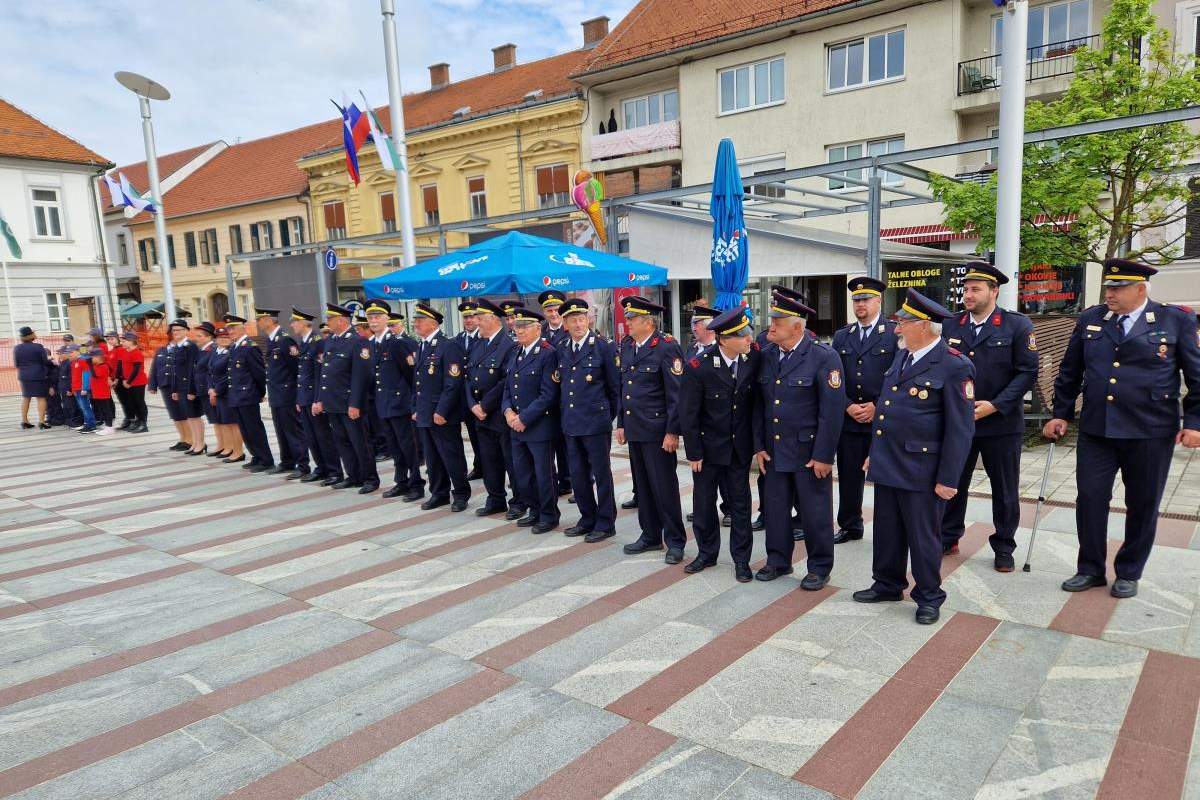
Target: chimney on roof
594 30
439 75
504 57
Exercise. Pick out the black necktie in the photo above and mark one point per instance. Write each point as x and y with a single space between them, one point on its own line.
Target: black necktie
1121 326
784 356
906 362
733 369
862 333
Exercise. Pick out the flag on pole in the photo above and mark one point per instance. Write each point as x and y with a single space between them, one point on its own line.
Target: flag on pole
9 236
114 191
388 157
355 130
138 201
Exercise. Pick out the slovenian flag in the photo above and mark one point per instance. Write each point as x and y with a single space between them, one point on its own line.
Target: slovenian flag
388 156
355 130
137 202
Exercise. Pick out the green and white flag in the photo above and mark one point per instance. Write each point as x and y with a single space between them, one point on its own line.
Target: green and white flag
388 157
7 232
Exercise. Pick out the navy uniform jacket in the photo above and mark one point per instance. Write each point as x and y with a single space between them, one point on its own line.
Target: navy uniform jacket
247 374
437 385
158 370
1006 365
392 374
801 401
177 373
863 364
483 383
200 367
307 369
717 413
283 357
467 343
925 422
649 388
32 361
64 377
531 390
1131 386
218 372
590 384
555 337
344 372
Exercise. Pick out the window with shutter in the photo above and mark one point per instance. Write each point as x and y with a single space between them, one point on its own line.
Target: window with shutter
297 228
553 185
204 248
212 245
477 193
429 196
254 238
335 220
235 239
171 249
387 211
285 237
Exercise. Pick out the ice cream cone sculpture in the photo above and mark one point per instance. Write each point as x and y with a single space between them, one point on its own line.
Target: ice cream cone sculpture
587 194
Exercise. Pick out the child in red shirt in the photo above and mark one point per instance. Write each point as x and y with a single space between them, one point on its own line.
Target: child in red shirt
81 375
102 402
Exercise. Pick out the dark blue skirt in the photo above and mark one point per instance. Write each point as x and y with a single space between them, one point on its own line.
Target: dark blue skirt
35 388
225 414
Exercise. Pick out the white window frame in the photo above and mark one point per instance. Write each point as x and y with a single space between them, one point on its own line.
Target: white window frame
295 230
57 207
750 167
997 29
642 102
751 89
122 250
889 178
478 209
993 155
57 323
866 81
385 224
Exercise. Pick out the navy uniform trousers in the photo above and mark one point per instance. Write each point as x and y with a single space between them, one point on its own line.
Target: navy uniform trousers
733 483
254 434
655 467
851 454
494 453
537 486
445 461
907 522
1002 459
814 498
289 433
402 445
354 447
590 460
319 435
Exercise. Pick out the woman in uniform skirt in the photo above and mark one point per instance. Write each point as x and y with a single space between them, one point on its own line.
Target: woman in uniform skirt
33 371
224 419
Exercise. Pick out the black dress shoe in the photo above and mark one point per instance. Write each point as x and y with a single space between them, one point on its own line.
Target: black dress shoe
295 475
1081 583
514 513
564 488
742 573
435 502
699 564
927 615
797 534
1004 563
1123 588
544 527
950 549
758 524
125 423
691 517
873 596
252 463
237 460
367 488
458 505
571 499
628 504
259 468
769 573
673 556
474 474
576 530
413 496
599 536
843 536
395 491
312 477
201 452
178 447
219 454
28 426
344 484
487 510
527 521
812 582
381 457
332 480
640 546
278 469
726 521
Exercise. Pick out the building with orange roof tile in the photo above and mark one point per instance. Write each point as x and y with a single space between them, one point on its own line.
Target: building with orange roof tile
62 281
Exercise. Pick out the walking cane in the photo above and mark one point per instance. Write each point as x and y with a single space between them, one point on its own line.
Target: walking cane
1037 512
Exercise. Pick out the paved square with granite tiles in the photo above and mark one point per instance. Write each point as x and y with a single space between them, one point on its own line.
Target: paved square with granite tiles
171 627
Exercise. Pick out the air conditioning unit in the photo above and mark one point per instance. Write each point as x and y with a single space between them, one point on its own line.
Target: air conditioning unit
461 112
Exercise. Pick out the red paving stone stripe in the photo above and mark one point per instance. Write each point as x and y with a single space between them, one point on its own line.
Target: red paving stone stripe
184 502
680 679
1150 758
70 562
974 539
137 655
848 759
47 516
605 767
42 603
109 484
341 757
66 537
206 478
1087 613
114 742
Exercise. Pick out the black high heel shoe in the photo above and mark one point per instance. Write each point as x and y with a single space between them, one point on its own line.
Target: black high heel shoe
234 460
45 426
200 452
25 426
219 454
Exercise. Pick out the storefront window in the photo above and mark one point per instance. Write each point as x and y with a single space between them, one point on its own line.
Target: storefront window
1048 290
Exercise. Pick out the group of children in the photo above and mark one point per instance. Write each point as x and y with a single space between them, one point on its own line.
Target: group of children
87 377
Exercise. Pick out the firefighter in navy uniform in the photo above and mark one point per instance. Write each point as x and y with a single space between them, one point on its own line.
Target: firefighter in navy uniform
716 413
468 338
1002 346
922 432
283 364
438 411
587 365
344 377
1126 356
651 365
508 306
867 348
800 406
530 406
483 386
554 331
327 466
393 361
702 339
247 386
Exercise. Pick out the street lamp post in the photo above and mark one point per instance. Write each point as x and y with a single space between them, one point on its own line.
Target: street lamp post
1011 135
396 104
148 90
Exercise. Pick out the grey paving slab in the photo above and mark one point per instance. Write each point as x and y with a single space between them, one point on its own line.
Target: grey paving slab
214 774
1010 667
84 575
886 643
48 555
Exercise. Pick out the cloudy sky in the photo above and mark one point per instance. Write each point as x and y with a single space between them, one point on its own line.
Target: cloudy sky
241 69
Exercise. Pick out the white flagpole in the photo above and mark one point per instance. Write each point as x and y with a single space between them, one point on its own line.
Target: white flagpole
396 105
1012 136
12 310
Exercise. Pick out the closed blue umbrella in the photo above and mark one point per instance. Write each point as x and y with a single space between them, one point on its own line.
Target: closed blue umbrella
731 247
514 263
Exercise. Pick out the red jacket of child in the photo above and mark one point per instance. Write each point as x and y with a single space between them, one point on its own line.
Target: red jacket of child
78 366
100 388
133 366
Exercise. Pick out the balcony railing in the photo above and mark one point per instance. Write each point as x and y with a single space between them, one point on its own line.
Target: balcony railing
643 139
1041 62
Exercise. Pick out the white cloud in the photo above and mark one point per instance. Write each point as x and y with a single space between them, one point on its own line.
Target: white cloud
250 68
